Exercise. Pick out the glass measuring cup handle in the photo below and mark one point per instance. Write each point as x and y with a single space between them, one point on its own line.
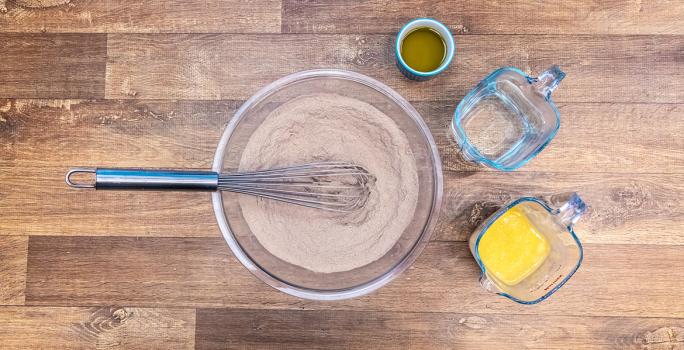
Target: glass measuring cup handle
572 210
546 82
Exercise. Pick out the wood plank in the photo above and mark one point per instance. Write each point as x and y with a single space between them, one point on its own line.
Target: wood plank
594 137
52 65
615 280
39 145
277 329
45 205
185 133
127 133
599 68
647 206
13 259
623 208
491 17
106 327
161 16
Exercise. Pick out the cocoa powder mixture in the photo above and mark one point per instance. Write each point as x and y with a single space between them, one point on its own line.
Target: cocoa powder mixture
332 127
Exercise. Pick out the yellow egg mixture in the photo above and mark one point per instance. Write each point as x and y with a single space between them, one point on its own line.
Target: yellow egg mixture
512 248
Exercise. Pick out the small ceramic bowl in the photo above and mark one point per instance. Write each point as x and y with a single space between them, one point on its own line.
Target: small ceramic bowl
438 27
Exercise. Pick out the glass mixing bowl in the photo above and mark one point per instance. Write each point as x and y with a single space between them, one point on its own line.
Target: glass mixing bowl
298 281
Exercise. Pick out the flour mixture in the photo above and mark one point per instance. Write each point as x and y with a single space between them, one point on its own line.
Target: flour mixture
326 127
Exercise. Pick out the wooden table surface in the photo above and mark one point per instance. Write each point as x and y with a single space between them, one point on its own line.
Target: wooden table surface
153 83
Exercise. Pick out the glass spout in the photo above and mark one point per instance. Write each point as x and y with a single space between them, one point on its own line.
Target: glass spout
572 210
487 284
548 81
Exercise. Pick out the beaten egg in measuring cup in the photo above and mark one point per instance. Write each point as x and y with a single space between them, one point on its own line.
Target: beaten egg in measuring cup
512 248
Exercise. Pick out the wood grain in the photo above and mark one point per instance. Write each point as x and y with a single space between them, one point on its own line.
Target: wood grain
39 144
647 206
108 327
41 139
13 259
45 205
52 65
623 208
161 16
599 68
153 84
615 280
273 329
127 133
593 137
184 133
490 17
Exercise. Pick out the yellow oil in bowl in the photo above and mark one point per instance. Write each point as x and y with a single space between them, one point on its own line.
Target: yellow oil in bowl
423 49
512 248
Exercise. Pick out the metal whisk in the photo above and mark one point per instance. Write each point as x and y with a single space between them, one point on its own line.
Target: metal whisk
335 186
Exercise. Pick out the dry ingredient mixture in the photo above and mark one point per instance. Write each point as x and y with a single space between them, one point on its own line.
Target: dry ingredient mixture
322 127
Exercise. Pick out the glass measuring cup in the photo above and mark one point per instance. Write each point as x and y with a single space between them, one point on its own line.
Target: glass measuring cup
564 249
508 118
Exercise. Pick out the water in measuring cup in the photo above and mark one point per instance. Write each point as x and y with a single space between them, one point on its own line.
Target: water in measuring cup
494 126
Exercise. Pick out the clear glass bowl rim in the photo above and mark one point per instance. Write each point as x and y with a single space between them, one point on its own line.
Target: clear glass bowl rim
369 286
